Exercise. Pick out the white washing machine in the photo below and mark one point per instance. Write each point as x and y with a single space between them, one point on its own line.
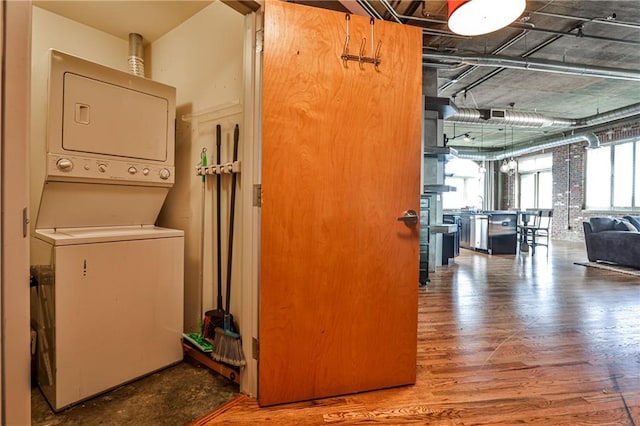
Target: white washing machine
107 303
109 306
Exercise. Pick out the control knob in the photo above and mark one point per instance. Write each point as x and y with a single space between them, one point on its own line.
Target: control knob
64 164
132 170
102 167
164 174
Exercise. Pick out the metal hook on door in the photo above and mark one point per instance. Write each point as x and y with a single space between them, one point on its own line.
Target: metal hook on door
360 58
345 50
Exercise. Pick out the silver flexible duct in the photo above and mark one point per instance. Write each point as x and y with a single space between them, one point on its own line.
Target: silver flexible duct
606 117
510 118
136 55
535 146
537 120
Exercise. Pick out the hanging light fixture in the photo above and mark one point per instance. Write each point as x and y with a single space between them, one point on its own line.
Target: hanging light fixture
513 164
482 169
504 167
476 17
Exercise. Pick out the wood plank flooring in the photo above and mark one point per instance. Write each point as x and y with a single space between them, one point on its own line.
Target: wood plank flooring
502 340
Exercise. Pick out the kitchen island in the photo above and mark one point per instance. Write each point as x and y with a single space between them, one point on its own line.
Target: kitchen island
491 231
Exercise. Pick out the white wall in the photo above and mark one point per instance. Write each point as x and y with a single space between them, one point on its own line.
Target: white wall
51 31
202 58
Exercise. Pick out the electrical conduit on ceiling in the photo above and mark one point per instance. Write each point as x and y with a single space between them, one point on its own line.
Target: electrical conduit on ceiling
543 65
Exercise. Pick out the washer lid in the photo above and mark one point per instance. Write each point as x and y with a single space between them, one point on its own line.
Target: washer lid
73 236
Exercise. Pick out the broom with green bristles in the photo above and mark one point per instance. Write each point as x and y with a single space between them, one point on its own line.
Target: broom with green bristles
228 346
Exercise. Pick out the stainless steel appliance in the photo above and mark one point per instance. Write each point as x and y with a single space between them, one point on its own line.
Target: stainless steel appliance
451 241
479 227
492 231
501 232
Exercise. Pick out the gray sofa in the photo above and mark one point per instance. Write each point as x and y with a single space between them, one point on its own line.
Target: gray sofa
613 240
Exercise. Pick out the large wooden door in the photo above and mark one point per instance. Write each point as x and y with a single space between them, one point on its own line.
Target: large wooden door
341 162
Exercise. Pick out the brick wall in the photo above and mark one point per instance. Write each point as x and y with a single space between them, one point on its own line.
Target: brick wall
568 184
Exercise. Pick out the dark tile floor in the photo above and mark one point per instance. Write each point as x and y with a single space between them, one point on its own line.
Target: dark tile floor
174 396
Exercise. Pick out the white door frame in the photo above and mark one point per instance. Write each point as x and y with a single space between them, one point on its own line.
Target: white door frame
15 77
251 166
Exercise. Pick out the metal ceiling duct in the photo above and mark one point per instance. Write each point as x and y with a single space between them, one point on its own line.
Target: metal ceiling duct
531 147
606 117
506 117
533 65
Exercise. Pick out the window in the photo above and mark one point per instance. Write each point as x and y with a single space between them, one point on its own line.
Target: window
623 176
527 191
613 177
536 182
598 194
465 176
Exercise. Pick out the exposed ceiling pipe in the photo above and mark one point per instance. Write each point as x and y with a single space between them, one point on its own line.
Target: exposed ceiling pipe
534 65
531 147
398 17
610 20
496 71
391 11
471 69
580 33
369 9
136 55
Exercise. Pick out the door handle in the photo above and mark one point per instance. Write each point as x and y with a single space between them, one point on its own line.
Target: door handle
409 217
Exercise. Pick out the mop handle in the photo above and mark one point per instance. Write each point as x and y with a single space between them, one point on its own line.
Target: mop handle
234 177
219 219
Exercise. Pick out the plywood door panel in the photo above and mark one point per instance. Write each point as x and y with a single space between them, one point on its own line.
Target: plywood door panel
341 161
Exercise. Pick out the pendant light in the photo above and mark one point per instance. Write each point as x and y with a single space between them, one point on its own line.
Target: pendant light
482 169
504 167
513 164
476 17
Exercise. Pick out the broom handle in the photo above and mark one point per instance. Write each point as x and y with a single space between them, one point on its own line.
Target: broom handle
203 163
219 219
234 177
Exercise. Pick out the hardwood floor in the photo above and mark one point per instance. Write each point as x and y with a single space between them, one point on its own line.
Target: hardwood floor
503 340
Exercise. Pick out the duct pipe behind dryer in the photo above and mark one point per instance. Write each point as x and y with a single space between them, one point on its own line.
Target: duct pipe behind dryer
136 55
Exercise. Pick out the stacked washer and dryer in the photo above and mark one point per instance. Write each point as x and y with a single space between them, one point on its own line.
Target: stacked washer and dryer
107 287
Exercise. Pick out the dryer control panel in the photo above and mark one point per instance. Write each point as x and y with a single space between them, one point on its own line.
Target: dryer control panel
88 169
